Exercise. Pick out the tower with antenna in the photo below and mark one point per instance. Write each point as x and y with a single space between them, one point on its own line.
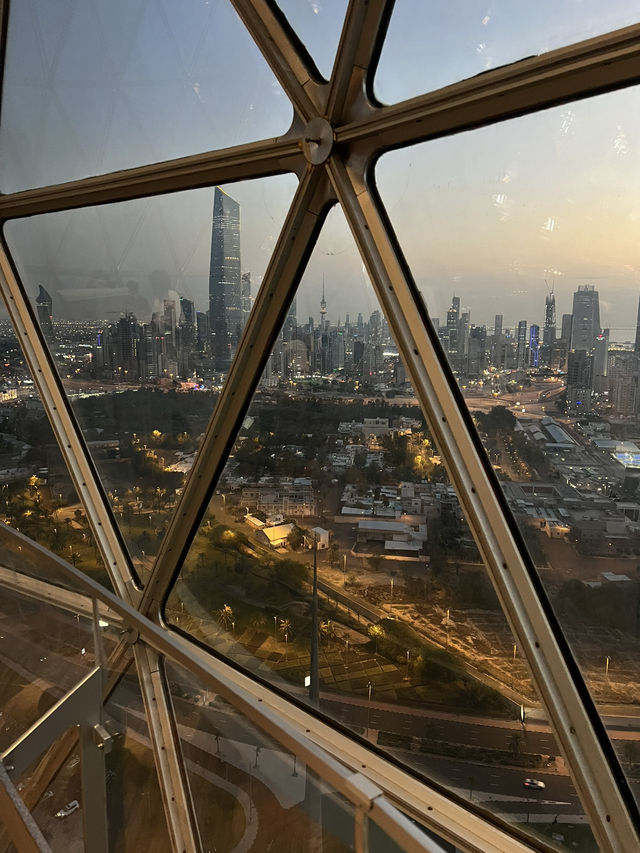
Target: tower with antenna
323 308
549 328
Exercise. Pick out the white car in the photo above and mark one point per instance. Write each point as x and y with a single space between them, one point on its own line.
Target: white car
70 808
536 784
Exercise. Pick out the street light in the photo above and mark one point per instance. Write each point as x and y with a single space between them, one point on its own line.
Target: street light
369 687
606 666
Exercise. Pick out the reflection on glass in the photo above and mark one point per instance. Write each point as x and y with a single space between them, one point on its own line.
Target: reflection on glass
318 24
55 785
44 652
143 305
430 45
542 337
93 87
400 635
248 790
135 812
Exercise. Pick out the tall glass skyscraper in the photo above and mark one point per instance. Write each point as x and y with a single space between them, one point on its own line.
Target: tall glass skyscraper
586 318
225 280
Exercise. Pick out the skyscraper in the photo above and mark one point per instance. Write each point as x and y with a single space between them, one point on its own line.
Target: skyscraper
245 297
579 382
225 290
549 328
453 318
534 345
44 308
521 346
586 318
636 347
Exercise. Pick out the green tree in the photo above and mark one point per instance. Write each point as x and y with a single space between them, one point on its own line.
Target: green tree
377 633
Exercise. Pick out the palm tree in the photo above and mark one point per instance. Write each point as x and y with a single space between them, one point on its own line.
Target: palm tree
327 631
225 616
286 629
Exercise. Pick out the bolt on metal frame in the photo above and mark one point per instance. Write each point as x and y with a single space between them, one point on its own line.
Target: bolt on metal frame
343 121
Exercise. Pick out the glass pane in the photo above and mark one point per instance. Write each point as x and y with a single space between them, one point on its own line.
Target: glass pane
57 792
532 225
98 86
143 304
247 789
37 497
318 23
335 453
430 45
134 804
44 652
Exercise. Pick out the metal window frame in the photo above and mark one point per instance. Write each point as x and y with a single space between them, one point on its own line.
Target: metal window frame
84 702
360 130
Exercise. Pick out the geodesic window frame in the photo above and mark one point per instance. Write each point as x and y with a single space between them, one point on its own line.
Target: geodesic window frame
338 132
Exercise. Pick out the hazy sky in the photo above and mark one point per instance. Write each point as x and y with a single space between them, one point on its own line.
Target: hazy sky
94 86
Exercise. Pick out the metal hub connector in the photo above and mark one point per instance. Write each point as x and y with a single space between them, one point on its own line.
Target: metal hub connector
317 141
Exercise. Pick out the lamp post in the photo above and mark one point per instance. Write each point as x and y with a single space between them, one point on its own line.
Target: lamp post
606 666
314 684
369 688
344 570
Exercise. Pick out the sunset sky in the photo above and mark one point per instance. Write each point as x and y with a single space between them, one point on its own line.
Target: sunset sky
488 215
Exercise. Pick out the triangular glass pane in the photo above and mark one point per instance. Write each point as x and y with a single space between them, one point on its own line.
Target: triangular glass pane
45 651
518 226
126 83
335 453
430 45
135 813
37 498
248 790
318 24
124 294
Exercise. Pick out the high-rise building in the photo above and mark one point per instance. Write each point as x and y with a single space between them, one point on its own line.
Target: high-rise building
534 345
622 382
170 320
44 308
586 318
453 320
600 352
225 280
579 382
636 347
521 346
567 328
245 297
548 329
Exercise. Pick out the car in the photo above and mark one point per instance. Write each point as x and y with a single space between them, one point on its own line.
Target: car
536 784
70 808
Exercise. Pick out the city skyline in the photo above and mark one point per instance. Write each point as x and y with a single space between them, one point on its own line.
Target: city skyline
491 213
